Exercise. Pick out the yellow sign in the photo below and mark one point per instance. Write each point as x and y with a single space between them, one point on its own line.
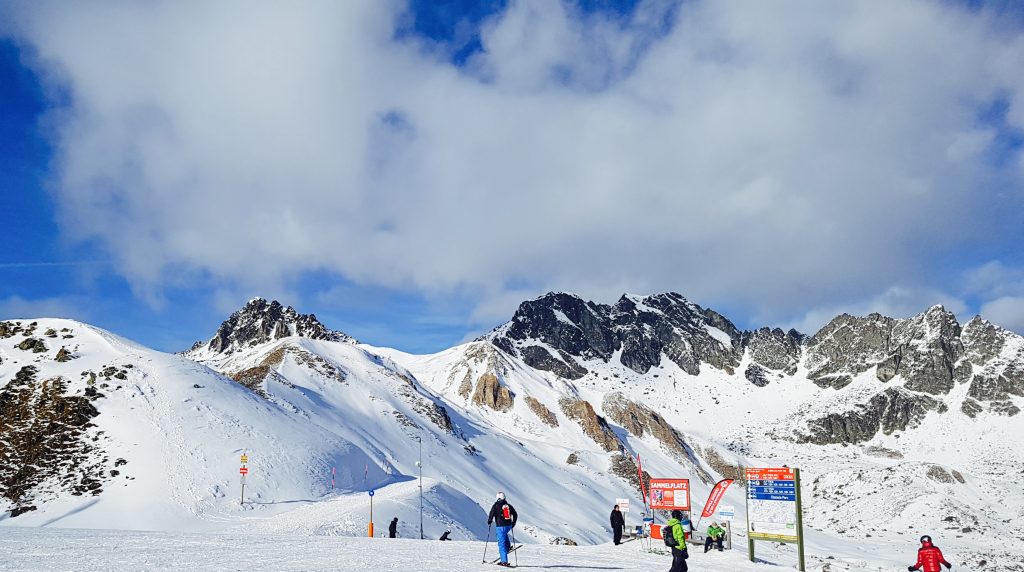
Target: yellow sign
245 459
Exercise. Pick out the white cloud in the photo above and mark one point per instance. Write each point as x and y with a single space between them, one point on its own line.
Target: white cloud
1007 312
782 156
896 302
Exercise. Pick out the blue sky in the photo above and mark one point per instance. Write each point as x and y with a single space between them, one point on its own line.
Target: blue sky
411 171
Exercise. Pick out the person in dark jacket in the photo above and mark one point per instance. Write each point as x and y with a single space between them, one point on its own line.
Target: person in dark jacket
618 523
929 557
445 535
393 528
674 527
504 517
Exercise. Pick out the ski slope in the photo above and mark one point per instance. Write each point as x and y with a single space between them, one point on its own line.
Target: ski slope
30 550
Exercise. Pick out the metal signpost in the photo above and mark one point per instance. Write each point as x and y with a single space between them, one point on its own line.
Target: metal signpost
369 529
243 472
774 511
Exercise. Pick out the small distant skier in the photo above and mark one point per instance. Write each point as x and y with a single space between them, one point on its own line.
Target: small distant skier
715 536
674 527
618 523
393 528
445 535
929 557
504 517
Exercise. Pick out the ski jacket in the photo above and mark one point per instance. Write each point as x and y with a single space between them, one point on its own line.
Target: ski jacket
393 528
929 557
617 520
675 528
498 514
715 532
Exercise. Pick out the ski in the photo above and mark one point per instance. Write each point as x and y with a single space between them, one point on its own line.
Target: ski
511 550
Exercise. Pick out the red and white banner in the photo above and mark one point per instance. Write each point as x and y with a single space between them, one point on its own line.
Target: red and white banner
715 497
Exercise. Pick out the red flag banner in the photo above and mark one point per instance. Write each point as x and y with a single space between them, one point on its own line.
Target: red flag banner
715 497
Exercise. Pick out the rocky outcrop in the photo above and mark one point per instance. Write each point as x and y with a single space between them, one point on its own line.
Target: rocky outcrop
923 350
33 345
773 349
45 437
593 425
63 355
260 321
624 466
642 330
894 409
491 393
994 360
757 375
542 412
847 346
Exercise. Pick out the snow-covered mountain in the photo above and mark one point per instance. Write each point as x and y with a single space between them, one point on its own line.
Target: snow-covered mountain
901 426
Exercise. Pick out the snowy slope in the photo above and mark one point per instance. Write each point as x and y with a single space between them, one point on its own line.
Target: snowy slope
561 448
179 428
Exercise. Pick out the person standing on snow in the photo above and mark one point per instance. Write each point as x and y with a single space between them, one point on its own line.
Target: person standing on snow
715 536
674 527
929 557
618 523
504 517
393 528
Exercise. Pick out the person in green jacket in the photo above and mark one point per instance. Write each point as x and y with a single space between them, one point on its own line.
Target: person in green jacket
679 554
715 536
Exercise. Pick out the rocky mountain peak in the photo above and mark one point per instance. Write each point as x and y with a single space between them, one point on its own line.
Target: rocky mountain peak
560 332
261 321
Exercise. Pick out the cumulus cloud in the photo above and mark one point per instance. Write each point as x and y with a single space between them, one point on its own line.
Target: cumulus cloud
1007 311
779 156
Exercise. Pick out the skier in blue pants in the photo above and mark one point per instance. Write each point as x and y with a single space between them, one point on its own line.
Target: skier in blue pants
504 517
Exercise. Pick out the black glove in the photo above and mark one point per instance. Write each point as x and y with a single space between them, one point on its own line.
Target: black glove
948 566
911 568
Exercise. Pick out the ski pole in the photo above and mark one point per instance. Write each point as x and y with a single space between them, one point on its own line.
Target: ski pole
486 540
516 553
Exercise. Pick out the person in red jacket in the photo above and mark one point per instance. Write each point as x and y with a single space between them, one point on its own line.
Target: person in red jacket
929 557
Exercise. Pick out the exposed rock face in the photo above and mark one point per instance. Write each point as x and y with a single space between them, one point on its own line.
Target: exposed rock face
641 420
33 345
923 350
63 355
756 375
594 426
44 437
490 393
894 409
260 322
570 330
542 412
624 467
995 357
847 346
774 349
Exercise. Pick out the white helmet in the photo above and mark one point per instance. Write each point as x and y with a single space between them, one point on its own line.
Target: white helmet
501 495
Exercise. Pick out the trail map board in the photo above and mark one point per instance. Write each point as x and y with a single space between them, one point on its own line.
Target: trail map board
773 507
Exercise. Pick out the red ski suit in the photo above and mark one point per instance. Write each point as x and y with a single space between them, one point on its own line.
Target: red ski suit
929 558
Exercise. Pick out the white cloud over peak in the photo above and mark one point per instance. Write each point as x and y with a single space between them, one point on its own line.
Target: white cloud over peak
780 156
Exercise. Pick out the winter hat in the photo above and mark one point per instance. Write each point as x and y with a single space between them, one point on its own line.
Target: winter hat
926 539
677 514
501 495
